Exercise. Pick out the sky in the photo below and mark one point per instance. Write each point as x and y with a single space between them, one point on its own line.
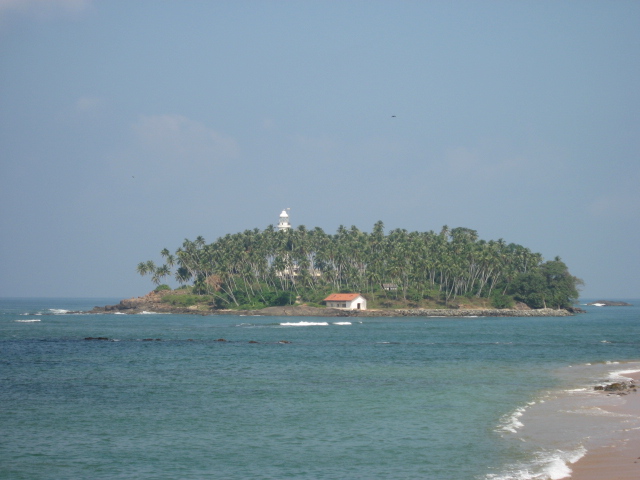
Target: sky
127 127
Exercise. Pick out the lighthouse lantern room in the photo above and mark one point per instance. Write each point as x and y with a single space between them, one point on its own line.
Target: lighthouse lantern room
283 223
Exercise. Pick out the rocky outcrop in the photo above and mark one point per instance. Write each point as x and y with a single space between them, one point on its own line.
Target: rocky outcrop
609 303
619 388
151 302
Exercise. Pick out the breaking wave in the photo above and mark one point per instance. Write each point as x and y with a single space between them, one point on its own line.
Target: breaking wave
304 324
553 465
511 423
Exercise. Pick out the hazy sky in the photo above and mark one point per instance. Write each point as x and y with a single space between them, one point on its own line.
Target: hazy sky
126 127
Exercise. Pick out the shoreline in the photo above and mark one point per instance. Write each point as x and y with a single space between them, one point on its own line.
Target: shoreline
152 303
293 311
618 459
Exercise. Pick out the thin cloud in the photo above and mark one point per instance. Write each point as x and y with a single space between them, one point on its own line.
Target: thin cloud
178 138
88 104
42 9
617 205
167 147
484 163
269 124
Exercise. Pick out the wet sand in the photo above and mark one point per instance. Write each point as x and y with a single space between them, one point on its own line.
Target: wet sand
620 459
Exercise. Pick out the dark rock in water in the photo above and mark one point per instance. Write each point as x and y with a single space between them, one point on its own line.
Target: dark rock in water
620 388
609 303
96 338
576 310
221 340
252 341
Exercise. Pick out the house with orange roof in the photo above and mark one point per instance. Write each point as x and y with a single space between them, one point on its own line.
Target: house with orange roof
346 301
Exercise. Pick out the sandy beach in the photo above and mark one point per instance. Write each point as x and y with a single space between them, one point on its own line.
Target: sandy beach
620 459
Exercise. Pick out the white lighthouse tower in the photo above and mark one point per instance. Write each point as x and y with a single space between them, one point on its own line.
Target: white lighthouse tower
283 223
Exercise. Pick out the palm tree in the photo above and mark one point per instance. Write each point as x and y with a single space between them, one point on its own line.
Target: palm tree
142 268
160 273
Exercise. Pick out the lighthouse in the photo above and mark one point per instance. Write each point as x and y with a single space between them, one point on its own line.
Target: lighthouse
283 223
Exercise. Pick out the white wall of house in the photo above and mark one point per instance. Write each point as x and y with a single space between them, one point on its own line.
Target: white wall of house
358 303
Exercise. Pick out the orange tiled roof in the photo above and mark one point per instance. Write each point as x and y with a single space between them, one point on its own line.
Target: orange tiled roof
341 297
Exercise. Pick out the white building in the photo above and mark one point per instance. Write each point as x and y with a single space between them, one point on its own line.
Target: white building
283 223
346 301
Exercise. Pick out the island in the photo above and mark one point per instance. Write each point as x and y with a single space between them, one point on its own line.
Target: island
296 271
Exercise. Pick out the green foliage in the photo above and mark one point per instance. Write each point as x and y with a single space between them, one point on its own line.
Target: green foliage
549 286
498 300
283 298
185 300
162 287
528 287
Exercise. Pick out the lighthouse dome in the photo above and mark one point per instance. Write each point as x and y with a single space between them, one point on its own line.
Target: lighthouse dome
283 222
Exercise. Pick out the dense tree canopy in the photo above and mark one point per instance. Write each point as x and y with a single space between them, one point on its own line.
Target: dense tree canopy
269 267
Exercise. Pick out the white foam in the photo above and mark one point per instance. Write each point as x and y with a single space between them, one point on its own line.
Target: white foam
119 313
556 469
28 320
342 323
304 324
511 423
598 304
547 466
622 374
58 311
599 412
557 466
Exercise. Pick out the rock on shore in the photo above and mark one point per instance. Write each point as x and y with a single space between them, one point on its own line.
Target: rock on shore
151 302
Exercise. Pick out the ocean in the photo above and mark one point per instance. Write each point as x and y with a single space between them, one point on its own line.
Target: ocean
304 398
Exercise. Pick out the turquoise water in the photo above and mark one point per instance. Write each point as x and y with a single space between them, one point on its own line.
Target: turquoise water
314 398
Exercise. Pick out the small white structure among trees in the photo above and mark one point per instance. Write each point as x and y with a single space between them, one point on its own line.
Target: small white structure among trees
283 222
346 301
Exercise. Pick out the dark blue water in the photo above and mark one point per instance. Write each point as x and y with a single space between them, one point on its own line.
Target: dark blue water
385 398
